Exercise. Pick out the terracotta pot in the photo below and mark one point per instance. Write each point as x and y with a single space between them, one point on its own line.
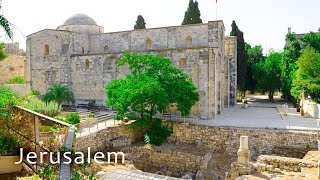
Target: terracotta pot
7 164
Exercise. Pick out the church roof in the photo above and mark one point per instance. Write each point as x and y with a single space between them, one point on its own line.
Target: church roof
80 19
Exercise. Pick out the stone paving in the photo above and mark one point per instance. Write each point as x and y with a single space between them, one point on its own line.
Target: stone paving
262 114
123 174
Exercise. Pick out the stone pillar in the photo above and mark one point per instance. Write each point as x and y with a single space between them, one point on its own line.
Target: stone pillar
243 152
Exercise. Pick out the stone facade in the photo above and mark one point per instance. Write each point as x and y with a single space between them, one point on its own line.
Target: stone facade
81 56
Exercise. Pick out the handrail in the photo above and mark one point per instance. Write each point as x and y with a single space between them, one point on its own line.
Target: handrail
44 116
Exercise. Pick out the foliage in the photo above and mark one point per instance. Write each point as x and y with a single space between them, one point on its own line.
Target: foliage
255 55
307 77
242 57
48 173
34 177
73 118
44 128
3 54
140 23
91 115
81 171
59 93
51 109
192 15
9 145
6 26
157 133
152 85
23 52
288 66
16 80
34 92
270 70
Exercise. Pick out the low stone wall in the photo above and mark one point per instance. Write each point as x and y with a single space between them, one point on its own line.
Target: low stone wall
104 139
310 109
260 141
167 161
269 163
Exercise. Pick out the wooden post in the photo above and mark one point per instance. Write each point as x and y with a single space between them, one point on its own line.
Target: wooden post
36 136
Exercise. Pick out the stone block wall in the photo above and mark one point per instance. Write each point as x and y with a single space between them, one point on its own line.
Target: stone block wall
260 141
10 67
103 139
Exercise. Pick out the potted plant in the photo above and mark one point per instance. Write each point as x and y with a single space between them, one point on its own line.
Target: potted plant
9 154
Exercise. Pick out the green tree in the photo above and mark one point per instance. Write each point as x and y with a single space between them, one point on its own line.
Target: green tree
307 78
268 74
291 54
3 54
152 85
242 58
59 93
140 23
192 15
5 24
255 55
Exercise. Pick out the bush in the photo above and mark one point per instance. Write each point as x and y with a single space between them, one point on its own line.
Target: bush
73 118
16 80
51 109
9 146
48 128
157 134
91 115
34 93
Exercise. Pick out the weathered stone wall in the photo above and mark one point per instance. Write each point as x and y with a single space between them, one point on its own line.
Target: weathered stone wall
19 89
101 140
231 55
260 141
10 67
12 48
167 160
84 59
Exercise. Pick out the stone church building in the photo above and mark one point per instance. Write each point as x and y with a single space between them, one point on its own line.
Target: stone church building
80 55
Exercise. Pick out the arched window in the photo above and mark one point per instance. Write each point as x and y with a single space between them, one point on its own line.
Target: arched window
106 48
182 62
87 64
46 49
189 41
148 43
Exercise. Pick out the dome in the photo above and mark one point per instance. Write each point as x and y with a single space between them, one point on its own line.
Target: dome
80 19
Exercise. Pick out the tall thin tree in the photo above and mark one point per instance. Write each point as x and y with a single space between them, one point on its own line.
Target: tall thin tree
192 15
140 23
242 58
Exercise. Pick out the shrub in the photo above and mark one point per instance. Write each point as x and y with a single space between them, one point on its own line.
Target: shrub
34 93
16 80
48 128
51 109
73 118
9 146
91 115
59 93
157 134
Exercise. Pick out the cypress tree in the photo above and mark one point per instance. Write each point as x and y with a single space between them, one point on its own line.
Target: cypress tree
192 15
140 23
242 56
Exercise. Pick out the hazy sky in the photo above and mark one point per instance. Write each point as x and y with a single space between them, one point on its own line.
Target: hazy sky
263 22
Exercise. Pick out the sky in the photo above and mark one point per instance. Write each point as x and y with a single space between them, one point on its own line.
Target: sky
264 22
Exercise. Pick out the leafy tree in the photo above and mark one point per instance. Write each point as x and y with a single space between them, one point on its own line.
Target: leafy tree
242 58
59 93
5 24
3 54
268 74
152 85
288 67
307 77
192 15
140 23
255 55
